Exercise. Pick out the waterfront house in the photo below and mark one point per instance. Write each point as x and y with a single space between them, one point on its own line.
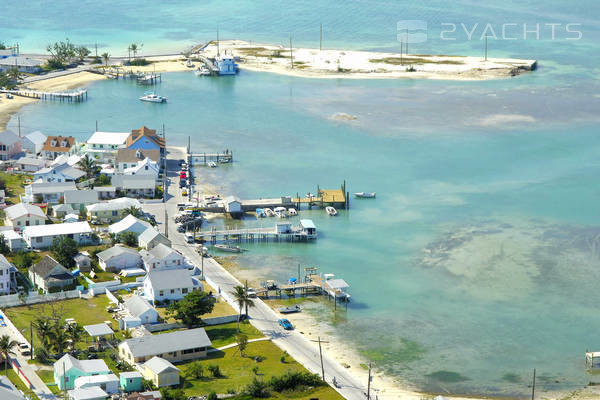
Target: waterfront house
13 240
29 164
129 224
23 64
140 308
22 215
8 391
169 285
61 210
233 206
33 142
119 257
10 145
103 146
47 192
106 192
56 146
145 139
130 158
150 238
130 381
68 368
80 199
41 237
135 185
48 274
189 344
162 257
107 382
58 173
8 280
83 262
161 372
112 210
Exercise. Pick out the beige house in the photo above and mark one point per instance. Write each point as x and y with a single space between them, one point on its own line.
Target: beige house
22 215
161 372
175 346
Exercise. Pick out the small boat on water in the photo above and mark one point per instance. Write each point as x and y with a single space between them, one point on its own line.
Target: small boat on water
202 71
153 98
269 212
229 249
365 195
212 164
292 212
289 310
281 212
260 213
331 211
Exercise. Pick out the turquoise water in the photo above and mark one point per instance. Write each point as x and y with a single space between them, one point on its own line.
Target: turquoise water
478 260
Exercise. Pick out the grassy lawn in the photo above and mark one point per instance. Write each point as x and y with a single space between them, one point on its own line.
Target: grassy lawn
14 186
222 335
237 371
13 377
84 311
221 309
47 376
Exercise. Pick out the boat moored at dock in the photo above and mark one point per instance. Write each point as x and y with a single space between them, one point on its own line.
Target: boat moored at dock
331 211
229 249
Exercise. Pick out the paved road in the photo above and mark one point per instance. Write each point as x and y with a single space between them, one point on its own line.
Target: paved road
261 316
38 387
55 74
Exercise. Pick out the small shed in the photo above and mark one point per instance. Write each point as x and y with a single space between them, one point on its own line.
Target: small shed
130 381
307 226
233 205
161 372
83 262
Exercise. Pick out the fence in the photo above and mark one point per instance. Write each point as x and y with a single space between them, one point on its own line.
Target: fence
16 300
95 291
207 321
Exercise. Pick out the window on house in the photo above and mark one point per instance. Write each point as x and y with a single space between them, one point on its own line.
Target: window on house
172 291
39 239
66 379
184 290
18 223
161 293
115 213
37 221
1 272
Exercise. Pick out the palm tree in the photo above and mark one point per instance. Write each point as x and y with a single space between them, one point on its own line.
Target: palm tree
88 164
240 295
133 210
59 339
43 328
74 332
6 348
134 49
105 56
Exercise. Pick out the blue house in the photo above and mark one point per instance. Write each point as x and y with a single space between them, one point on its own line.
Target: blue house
131 381
68 368
226 64
145 139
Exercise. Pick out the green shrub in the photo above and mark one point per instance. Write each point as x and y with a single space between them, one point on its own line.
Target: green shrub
291 380
212 396
215 371
257 389
139 62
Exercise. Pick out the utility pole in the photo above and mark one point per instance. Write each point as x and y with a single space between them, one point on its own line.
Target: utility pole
533 386
96 125
321 38
407 42
166 223
291 53
96 45
218 52
202 258
31 339
401 44
369 383
246 293
321 355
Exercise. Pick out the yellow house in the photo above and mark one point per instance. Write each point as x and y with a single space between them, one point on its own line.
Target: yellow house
112 210
161 372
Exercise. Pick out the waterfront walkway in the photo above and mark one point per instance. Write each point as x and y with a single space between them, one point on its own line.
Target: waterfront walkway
262 316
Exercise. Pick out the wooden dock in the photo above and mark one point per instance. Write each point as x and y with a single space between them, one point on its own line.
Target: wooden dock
294 234
145 78
204 158
338 198
68 96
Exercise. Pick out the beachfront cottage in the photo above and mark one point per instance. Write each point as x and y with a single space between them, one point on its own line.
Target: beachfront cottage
8 278
135 185
162 257
112 210
130 381
29 164
22 215
189 344
130 158
150 238
46 192
33 142
103 146
119 257
68 368
145 139
58 173
50 275
10 145
169 285
80 199
129 224
56 146
41 237
161 372
139 307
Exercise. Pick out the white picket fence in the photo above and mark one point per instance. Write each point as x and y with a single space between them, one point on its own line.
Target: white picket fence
13 300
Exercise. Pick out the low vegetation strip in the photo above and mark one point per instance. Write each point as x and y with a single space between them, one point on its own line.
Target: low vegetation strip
413 60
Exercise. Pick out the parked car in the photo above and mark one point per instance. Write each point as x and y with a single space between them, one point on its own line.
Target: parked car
24 349
251 292
285 324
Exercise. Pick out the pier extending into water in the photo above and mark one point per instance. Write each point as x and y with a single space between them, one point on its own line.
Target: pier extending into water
69 96
279 233
146 78
204 158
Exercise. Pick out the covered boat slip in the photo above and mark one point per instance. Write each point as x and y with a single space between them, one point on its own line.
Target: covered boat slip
592 361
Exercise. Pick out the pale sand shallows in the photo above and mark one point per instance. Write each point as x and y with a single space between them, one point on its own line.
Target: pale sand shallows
338 64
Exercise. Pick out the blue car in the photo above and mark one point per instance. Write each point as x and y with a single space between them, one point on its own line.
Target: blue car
285 324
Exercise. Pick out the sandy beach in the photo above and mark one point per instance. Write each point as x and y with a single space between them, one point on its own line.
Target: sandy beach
350 64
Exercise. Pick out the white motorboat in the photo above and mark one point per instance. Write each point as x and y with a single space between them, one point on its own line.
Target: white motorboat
331 211
365 195
292 212
212 164
281 212
269 212
228 248
202 71
153 98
